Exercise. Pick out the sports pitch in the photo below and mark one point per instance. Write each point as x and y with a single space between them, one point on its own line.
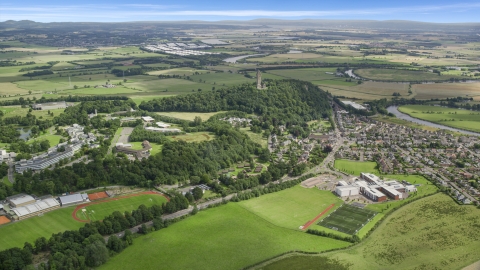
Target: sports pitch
347 219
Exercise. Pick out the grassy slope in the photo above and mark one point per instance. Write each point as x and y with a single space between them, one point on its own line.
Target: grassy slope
227 237
303 205
463 119
104 209
432 233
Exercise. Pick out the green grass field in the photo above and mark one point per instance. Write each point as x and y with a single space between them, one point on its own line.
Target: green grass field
156 148
255 137
226 237
293 207
399 75
457 118
432 233
356 167
347 219
17 233
100 211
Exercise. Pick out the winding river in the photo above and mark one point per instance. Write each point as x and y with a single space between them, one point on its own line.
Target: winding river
403 116
236 58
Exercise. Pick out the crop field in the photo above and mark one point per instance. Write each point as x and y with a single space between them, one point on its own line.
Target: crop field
305 74
457 118
190 116
293 207
100 209
169 86
194 137
220 79
187 71
10 89
444 90
347 219
399 75
356 167
225 237
366 91
11 111
17 233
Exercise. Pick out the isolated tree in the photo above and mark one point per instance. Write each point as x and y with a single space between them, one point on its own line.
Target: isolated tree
197 193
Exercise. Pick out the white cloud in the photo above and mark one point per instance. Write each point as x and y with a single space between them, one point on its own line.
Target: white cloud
139 12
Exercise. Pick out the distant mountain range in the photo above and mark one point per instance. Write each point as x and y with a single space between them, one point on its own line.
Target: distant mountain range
274 23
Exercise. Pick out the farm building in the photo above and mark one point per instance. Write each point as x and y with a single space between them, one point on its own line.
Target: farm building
50 105
73 199
36 208
20 200
345 191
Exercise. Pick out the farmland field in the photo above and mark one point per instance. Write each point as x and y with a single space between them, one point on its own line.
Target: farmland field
457 118
190 116
367 90
399 75
225 237
444 90
432 233
347 219
193 137
100 209
293 207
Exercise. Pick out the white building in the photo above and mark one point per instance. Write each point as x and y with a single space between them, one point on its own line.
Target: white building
346 191
163 125
354 105
163 129
148 119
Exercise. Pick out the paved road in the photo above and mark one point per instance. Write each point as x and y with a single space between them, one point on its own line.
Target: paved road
11 172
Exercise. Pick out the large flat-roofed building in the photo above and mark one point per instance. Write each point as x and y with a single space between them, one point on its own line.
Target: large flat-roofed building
163 129
391 192
45 160
73 199
370 178
20 200
148 119
50 105
354 105
374 194
36 208
346 191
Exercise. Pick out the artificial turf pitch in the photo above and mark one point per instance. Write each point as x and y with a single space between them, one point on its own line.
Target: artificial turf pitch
348 219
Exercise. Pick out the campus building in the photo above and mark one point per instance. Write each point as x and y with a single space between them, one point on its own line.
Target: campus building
44 161
139 154
346 191
163 129
20 200
73 199
35 208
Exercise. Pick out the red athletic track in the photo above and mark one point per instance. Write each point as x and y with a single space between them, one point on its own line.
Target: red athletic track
74 214
317 217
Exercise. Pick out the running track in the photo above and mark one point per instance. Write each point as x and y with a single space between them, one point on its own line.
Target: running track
317 217
74 214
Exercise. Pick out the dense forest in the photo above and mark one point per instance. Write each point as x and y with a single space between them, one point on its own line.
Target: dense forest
285 102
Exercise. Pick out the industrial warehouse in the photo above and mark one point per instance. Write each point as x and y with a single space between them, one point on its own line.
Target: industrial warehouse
375 189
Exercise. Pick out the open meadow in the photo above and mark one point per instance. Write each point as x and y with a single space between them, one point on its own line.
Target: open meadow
193 137
402 75
190 116
356 167
457 118
444 90
225 237
431 233
293 207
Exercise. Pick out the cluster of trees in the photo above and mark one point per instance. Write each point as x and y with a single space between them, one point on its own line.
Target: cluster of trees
70 98
35 147
38 73
178 162
8 134
286 102
256 192
139 134
129 72
351 239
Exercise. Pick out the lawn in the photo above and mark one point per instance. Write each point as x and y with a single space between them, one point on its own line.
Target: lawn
293 207
348 219
156 148
101 210
432 233
356 167
226 237
17 233
53 139
457 118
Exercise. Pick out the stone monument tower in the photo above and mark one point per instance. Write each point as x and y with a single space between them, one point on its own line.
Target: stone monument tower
259 80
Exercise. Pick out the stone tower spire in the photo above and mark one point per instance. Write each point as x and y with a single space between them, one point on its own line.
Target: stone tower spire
259 80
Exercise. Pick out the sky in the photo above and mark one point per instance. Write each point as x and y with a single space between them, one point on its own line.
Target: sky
215 10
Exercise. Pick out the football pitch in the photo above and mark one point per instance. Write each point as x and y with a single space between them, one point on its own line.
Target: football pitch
348 219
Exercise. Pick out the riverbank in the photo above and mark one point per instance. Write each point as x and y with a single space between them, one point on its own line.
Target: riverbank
394 110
